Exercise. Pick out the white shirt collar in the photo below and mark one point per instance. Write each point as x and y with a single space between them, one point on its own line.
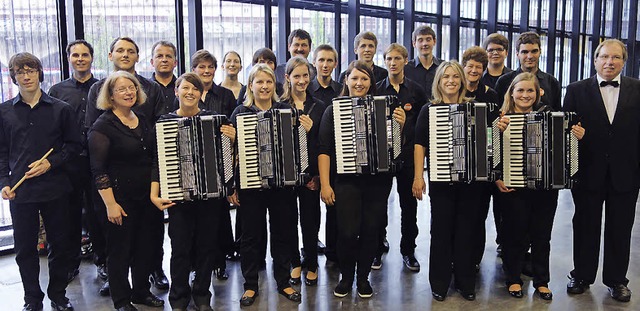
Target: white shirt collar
600 79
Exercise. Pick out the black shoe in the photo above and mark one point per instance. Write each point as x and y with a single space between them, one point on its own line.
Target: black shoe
544 296
128 307
159 279
150 301
246 301
102 272
72 275
385 245
34 306
321 247
105 290
471 296
203 308
515 293
411 263
438 297
364 289
221 273
620 293
377 263
343 288
576 286
311 282
295 296
64 305
295 280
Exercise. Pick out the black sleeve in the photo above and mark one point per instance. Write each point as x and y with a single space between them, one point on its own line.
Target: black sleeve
71 145
228 102
92 113
326 138
4 157
241 95
556 97
155 170
99 145
422 127
501 86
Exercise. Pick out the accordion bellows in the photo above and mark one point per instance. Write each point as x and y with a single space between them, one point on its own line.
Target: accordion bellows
272 149
367 139
195 160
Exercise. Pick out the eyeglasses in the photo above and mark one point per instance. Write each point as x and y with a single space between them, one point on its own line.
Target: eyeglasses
123 90
498 50
28 72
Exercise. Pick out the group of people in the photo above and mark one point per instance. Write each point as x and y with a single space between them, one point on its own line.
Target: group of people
104 159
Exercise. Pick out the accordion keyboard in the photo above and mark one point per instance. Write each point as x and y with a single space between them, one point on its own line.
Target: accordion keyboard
514 152
440 144
167 136
248 151
345 136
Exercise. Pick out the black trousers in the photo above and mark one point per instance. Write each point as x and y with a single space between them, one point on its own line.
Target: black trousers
193 226
310 225
454 217
619 214
362 203
130 246
80 199
527 221
97 221
26 225
481 235
331 233
408 213
226 242
282 227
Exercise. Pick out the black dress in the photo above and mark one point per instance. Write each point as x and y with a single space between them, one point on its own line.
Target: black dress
121 159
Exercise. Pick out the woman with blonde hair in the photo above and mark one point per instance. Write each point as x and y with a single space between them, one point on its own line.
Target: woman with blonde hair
254 203
454 206
121 145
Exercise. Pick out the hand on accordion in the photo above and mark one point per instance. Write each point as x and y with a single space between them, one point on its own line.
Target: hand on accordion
161 204
229 131
306 122
501 186
578 131
399 115
503 123
233 199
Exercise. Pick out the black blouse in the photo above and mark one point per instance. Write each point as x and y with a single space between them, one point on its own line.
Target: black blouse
121 157
314 109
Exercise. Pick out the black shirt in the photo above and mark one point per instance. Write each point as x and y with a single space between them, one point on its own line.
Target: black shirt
168 92
379 74
411 98
484 94
490 80
27 135
121 157
219 99
75 93
325 94
243 91
550 85
314 109
424 77
152 109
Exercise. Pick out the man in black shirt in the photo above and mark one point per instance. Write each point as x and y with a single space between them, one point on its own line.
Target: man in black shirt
528 52
497 47
298 44
365 46
32 123
164 62
422 69
411 98
124 54
75 92
323 87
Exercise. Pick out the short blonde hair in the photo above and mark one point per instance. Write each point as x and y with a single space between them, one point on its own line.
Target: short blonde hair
106 91
257 68
438 98
508 106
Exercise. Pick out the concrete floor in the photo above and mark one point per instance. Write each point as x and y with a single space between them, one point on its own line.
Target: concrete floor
395 288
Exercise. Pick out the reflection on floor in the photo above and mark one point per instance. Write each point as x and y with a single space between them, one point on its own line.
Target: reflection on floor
395 288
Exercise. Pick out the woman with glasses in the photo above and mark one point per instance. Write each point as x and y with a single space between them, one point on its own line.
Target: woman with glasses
121 145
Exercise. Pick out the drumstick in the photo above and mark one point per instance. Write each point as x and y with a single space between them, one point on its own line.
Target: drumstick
25 176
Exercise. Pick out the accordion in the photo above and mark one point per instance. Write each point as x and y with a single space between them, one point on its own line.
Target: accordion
195 160
272 149
461 142
367 138
539 151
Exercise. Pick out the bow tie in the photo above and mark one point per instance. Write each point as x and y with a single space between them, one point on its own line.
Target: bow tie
612 83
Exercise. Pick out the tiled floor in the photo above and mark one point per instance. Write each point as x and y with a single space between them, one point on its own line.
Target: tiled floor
394 287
